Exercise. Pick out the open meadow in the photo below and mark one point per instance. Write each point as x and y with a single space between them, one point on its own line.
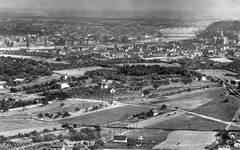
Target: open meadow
192 100
187 140
223 108
186 122
78 72
13 126
155 135
107 116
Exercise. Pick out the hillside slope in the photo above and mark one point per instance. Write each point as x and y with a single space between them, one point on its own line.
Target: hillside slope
229 28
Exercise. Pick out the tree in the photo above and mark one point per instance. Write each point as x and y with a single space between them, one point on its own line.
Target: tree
49 137
62 104
155 85
97 128
47 115
45 130
164 107
98 144
130 142
45 102
233 82
146 92
65 114
40 115
77 109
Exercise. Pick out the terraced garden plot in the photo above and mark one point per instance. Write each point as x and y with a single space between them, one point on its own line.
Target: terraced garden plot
108 115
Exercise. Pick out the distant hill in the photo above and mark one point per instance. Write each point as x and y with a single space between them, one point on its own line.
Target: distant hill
229 28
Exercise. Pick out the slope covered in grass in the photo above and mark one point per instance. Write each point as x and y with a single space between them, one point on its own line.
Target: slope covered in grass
223 107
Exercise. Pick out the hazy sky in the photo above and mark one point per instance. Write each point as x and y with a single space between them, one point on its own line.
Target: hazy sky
171 5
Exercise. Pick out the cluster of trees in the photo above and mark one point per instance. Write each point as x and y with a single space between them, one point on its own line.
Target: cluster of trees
12 68
215 29
78 91
9 103
84 134
142 70
196 63
52 116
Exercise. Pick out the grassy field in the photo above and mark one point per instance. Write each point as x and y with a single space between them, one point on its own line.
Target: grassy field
55 107
187 140
192 100
109 115
78 72
185 122
158 136
219 108
15 126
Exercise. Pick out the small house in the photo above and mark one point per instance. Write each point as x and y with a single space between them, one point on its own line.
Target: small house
112 91
155 111
120 139
204 78
63 85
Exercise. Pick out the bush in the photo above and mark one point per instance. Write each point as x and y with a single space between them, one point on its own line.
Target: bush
37 138
62 104
49 137
40 115
77 109
98 144
65 114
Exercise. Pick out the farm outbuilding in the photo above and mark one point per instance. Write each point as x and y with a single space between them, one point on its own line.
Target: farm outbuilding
120 139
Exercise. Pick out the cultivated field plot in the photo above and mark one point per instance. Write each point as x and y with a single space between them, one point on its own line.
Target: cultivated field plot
78 72
220 108
222 60
186 122
192 100
187 140
19 125
108 115
157 136
166 59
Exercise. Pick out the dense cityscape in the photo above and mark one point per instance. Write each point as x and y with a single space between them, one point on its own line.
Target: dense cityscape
129 78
